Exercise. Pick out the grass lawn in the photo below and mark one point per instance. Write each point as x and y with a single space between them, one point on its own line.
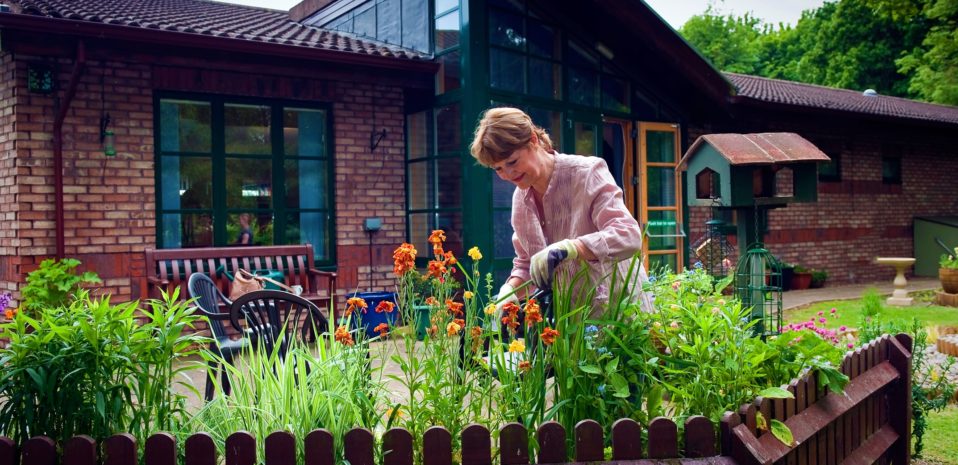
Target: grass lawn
941 440
849 313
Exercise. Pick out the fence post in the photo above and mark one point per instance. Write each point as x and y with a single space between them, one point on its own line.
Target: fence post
626 440
397 447
318 448
240 449
437 446
120 449
39 450
160 449
552 445
280 448
8 451
589 441
358 447
663 439
476 445
900 399
513 445
699 437
80 450
199 450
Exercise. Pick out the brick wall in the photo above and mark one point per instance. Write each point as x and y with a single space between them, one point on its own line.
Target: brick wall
858 218
110 201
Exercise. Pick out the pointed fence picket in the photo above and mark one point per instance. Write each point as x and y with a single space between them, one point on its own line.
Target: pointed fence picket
869 423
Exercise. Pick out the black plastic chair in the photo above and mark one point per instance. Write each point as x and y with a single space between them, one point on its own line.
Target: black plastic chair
208 298
269 313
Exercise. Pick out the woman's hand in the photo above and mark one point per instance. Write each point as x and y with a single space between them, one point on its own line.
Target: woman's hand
545 261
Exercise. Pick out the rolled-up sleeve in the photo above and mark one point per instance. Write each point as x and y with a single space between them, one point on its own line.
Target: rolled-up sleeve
617 235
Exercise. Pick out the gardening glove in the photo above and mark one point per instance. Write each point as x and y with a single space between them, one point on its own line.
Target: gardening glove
506 294
544 262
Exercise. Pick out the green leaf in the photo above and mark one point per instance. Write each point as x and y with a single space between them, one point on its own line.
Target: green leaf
612 365
776 393
592 369
760 422
782 432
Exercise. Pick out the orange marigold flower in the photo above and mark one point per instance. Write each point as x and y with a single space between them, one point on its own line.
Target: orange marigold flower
382 329
476 331
404 259
525 366
436 269
432 330
548 336
343 337
453 329
10 313
432 301
437 237
455 308
385 306
460 322
511 308
449 259
355 303
533 313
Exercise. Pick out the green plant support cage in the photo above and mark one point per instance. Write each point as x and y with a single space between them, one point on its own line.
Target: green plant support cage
758 284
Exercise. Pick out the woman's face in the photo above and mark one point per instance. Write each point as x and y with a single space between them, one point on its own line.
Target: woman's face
524 167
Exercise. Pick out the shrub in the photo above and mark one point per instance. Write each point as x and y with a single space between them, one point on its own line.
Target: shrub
92 368
54 283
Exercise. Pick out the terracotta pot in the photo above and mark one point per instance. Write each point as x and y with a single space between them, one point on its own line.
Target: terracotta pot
801 281
949 279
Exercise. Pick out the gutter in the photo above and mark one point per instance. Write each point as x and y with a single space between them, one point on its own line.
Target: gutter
78 66
169 38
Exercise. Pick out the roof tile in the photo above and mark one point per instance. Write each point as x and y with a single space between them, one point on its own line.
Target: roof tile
210 18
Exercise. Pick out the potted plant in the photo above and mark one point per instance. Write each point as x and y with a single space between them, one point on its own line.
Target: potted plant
818 278
948 272
801 278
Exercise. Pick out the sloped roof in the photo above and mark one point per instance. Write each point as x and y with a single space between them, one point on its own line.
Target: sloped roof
765 148
820 97
208 18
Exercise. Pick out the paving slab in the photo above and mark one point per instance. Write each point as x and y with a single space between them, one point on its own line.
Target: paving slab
798 299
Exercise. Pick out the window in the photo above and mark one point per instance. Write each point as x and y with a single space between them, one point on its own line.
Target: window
434 177
226 166
523 52
399 22
831 171
891 170
446 45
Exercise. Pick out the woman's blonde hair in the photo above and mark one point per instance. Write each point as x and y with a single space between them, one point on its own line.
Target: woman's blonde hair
501 132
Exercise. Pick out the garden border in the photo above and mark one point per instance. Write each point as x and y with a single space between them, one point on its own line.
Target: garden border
869 423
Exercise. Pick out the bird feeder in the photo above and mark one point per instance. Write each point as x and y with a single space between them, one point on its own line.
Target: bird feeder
751 174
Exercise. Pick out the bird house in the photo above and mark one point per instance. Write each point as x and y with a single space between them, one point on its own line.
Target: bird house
749 170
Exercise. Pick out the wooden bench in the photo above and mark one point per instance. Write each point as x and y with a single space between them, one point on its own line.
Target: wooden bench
168 269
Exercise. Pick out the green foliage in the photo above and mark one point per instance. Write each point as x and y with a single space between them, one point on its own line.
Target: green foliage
731 43
53 284
871 303
93 368
949 261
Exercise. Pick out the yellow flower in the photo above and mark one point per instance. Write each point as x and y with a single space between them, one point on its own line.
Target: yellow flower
490 309
475 254
517 346
467 295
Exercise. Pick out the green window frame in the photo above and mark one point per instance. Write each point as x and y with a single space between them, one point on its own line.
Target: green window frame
891 170
220 157
447 25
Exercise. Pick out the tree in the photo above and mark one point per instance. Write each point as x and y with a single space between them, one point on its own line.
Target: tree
932 66
729 42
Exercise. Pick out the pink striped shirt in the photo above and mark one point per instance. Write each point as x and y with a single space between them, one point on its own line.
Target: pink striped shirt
581 202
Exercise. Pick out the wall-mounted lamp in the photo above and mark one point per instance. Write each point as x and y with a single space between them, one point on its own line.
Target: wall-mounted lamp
375 137
106 136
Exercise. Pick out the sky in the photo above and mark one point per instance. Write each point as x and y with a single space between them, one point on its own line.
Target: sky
675 12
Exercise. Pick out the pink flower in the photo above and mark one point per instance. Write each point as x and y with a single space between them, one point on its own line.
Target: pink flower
833 310
842 328
851 346
676 285
821 320
820 313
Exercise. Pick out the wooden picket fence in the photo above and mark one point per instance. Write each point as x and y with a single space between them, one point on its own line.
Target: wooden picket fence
870 423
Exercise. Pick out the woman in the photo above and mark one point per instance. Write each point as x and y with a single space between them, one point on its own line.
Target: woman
246 234
566 208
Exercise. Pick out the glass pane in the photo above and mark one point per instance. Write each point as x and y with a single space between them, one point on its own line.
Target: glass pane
445 5
662 263
542 39
247 129
613 149
580 56
660 147
615 94
544 78
420 185
451 223
415 25
364 22
502 192
185 126
309 228
187 230
186 182
661 229
506 70
304 132
249 183
450 73
502 234
417 135
551 121
388 23
582 86
661 185
505 29
584 139
448 135
447 31
513 5
420 225
306 183
449 177
250 229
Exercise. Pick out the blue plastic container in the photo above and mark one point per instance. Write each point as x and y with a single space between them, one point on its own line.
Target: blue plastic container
371 319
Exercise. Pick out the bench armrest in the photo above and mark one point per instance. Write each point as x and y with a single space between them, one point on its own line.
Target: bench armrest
329 276
153 280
